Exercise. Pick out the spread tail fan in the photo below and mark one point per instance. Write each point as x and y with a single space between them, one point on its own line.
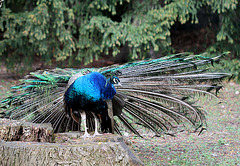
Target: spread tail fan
157 94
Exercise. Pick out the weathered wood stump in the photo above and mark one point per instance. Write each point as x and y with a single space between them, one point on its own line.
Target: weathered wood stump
67 149
13 130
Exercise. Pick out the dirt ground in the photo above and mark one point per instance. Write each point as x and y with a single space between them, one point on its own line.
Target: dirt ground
218 145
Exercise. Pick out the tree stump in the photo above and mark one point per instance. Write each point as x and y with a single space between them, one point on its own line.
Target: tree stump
66 149
13 130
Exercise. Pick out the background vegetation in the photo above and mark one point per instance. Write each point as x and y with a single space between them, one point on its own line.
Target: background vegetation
72 32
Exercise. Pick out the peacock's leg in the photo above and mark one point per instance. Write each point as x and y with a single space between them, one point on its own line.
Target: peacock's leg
96 125
84 119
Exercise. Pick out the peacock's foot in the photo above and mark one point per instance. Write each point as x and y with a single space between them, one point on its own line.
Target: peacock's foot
86 135
96 133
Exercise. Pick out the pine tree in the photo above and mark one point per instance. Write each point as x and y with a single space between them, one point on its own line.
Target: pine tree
84 30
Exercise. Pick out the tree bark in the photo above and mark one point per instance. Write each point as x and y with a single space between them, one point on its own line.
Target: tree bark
13 130
66 149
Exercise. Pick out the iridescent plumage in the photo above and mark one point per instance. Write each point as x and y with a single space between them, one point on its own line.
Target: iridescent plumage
155 95
88 94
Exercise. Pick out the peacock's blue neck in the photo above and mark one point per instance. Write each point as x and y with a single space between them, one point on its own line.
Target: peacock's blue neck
108 91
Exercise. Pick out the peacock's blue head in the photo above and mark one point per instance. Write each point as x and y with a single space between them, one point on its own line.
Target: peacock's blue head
114 80
109 90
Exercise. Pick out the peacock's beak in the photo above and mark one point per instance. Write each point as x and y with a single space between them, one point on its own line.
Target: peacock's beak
119 84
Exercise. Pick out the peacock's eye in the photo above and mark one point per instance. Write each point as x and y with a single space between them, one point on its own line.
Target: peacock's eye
115 80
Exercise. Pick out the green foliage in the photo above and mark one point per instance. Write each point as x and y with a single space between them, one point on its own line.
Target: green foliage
231 66
84 30
228 34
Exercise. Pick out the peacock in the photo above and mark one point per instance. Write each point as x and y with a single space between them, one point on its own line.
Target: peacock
148 96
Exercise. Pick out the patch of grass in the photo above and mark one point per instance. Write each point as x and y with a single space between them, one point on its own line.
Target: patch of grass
218 145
